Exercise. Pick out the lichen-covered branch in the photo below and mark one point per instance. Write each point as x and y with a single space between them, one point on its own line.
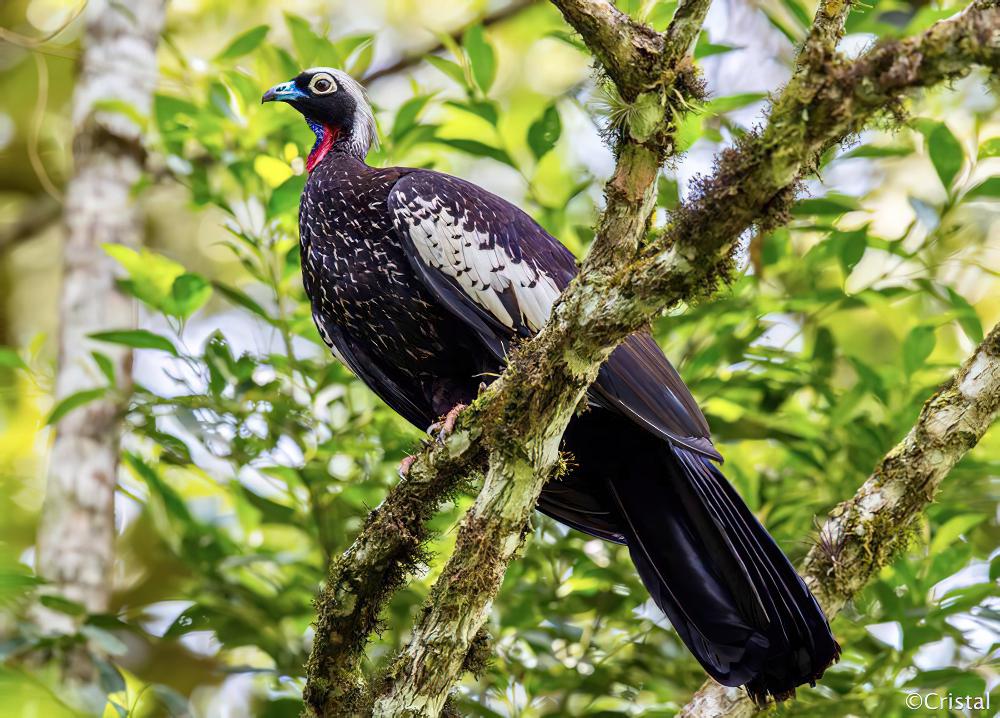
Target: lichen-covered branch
862 535
361 580
826 31
631 53
755 182
522 417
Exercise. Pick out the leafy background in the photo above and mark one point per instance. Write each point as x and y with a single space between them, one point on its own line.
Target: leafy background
251 455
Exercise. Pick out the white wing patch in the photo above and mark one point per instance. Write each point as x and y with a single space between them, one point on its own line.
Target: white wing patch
483 268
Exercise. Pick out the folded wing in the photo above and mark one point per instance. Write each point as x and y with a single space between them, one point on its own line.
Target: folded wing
497 270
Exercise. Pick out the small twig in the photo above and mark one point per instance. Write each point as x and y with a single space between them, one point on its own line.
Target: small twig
407 61
37 118
32 43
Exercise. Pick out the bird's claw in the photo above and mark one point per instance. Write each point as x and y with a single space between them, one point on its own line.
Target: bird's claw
404 466
441 430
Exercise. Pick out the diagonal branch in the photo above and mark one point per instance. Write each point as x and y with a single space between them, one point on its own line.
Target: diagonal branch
862 535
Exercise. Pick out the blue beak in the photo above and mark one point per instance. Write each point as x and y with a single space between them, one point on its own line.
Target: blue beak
285 92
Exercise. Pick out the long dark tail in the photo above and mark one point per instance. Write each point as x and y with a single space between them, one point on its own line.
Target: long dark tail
729 591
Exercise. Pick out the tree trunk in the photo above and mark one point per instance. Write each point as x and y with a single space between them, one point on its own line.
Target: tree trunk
115 85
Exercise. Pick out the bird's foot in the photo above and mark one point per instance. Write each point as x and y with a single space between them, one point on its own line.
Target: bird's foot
441 430
404 466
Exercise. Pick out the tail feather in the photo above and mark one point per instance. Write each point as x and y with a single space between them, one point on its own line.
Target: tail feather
730 592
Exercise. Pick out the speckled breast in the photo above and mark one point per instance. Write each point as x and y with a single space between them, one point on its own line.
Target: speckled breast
357 275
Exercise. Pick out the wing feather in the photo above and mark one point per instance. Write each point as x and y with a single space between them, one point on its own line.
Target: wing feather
496 269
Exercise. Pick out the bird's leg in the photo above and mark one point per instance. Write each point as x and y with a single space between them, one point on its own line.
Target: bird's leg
404 466
443 428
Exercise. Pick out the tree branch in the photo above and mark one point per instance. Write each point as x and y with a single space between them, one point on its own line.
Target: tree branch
826 31
407 61
520 419
862 535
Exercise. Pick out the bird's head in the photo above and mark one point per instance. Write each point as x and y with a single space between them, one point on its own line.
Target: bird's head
335 107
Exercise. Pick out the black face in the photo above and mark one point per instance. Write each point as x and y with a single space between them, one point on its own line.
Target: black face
319 96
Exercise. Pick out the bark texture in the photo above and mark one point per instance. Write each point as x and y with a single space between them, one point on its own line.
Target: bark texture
862 535
116 80
517 423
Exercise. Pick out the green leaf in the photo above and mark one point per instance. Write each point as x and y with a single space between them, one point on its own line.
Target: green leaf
798 10
852 249
704 48
153 277
544 132
74 401
137 339
987 189
946 153
721 105
917 346
285 197
362 57
832 205
187 295
989 148
109 643
270 511
952 529
125 109
876 151
477 148
244 44
667 192
967 316
485 109
105 365
408 114
63 605
481 57
109 677
10 359
660 15
312 48
172 501
241 299
449 68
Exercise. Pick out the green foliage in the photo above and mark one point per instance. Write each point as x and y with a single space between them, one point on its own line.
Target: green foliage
259 456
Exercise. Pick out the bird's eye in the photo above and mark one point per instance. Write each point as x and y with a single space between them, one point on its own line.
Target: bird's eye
322 84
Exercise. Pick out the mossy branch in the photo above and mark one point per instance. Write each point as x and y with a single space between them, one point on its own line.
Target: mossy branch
862 535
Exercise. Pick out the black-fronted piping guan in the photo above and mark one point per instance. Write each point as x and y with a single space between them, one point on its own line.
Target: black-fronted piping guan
419 282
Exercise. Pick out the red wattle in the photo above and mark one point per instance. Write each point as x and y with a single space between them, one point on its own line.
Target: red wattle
329 137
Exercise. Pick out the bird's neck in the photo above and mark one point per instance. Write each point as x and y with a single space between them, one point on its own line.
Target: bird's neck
326 138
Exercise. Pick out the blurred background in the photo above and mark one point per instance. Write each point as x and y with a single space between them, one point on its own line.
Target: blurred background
250 455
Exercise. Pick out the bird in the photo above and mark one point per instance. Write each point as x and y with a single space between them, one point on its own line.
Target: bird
421 282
